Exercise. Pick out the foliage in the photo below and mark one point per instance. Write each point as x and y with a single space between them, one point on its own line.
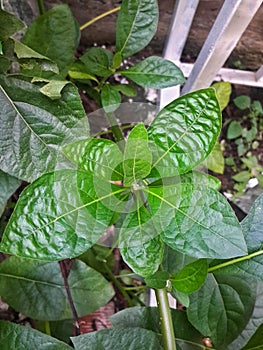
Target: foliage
172 226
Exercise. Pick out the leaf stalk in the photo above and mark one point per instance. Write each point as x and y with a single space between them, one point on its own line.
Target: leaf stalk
95 19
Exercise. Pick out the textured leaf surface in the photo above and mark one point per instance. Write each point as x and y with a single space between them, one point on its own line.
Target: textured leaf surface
137 156
60 216
157 280
155 72
222 308
191 277
136 25
215 161
110 98
255 343
8 185
55 35
13 336
34 128
185 132
134 339
37 289
98 61
223 91
54 88
9 24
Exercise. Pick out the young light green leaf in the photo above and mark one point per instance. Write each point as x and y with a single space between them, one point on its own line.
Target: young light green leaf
34 128
37 288
234 130
12 334
221 308
126 89
184 133
8 185
9 24
155 72
79 71
158 280
98 61
135 339
110 98
136 25
64 202
55 35
54 88
191 277
216 161
223 92
137 156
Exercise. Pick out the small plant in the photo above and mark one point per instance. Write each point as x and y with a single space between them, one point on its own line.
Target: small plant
172 226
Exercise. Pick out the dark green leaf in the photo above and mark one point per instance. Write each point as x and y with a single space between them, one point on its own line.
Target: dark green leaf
37 288
184 132
221 308
157 280
61 215
191 277
110 98
8 185
242 102
134 339
182 298
155 72
126 89
13 336
116 60
97 256
136 25
9 24
55 35
223 92
174 261
234 130
255 343
137 156
34 128
61 330
79 71
98 61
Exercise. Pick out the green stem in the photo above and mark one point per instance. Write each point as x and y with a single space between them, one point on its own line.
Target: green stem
41 6
165 319
87 24
116 130
234 261
47 328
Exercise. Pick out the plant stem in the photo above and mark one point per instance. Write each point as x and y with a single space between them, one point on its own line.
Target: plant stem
104 14
41 7
47 328
63 269
234 261
165 319
116 130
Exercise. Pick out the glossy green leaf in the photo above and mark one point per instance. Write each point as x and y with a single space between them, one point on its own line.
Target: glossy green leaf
126 89
37 288
14 336
223 91
234 130
34 128
136 25
54 88
221 308
8 185
255 343
55 35
9 24
60 215
155 72
134 339
184 132
100 156
191 277
242 102
157 280
98 61
110 98
174 261
215 161
144 259
137 156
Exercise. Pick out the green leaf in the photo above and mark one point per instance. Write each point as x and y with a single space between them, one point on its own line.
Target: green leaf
98 61
223 92
134 339
79 71
137 156
13 336
174 261
116 60
54 89
234 130
97 257
34 128
110 98
242 102
182 298
37 288
215 161
55 35
61 330
155 72
61 215
184 132
222 308
126 89
255 343
191 277
8 185
158 280
9 25
242 176
144 259
136 25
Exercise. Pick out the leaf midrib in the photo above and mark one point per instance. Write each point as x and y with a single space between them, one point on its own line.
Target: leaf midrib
61 286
